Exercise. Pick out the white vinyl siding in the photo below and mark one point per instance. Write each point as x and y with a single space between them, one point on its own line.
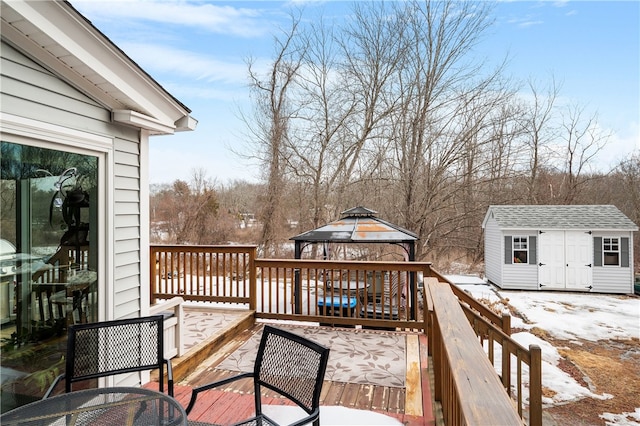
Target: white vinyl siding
32 92
493 250
519 276
28 90
127 228
613 279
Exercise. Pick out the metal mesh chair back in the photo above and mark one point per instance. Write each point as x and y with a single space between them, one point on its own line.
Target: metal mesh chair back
114 347
292 366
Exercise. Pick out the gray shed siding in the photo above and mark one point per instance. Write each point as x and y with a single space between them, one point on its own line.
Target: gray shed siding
506 276
518 276
493 249
30 91
614 279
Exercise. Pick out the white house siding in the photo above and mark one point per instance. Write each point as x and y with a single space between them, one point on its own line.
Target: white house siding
613 279
127 227
493 249
32 92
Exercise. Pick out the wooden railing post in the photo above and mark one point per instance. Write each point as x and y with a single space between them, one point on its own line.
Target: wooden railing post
253 285
506 367
535 386
506 355
436 357
506 323
153 275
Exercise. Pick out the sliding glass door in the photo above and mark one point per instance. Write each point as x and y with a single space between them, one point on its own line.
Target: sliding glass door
48 262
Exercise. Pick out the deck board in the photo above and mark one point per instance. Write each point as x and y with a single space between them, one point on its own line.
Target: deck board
411 405
414 383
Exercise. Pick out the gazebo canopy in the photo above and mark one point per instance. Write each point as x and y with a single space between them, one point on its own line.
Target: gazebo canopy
358 225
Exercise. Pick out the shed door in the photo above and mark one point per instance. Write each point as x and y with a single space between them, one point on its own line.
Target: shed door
551 267
565 260
579 259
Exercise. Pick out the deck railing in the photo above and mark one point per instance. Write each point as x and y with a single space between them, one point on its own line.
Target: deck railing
466 383
347 293
404 295
202 273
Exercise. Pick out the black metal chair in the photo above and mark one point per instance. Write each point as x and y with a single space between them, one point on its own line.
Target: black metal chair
108 348
288 364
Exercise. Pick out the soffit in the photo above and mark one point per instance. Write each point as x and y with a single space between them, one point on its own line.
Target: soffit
59 38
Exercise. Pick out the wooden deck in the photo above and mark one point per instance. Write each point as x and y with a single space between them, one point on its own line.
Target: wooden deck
411 405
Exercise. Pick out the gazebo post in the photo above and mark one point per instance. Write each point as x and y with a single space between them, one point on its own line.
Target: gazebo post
412 280
297 288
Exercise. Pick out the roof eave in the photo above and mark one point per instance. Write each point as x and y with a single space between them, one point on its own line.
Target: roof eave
77 52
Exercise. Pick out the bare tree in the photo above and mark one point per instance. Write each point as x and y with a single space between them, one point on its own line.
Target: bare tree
185 212
627 177
324 107
270 127
538 133
343 98
439 115
582 139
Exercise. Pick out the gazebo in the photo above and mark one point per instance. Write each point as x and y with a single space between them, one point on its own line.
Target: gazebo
358 225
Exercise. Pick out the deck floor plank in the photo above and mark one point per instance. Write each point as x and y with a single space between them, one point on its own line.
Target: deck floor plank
365 397
334 394
235 400
396 400
380 399
350 395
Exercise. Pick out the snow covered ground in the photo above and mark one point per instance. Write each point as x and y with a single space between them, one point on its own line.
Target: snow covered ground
565 316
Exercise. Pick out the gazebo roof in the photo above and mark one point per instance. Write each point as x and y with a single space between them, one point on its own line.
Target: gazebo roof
358 225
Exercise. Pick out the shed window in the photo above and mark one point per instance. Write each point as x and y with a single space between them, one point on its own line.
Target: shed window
520 250
611 251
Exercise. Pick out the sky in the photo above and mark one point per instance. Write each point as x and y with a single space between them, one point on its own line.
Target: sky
198 51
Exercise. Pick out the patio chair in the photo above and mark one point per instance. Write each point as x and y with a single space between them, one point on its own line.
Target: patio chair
108 348
288 364
382 303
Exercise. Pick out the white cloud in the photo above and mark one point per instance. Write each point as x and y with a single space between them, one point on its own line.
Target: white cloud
183 63
243 22
529 23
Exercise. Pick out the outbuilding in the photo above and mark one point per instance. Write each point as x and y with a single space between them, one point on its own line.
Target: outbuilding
559 247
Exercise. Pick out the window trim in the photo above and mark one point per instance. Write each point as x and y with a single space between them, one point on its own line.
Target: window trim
611 241
521 238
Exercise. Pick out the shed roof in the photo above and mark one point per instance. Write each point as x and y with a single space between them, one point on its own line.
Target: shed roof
586 217
358 225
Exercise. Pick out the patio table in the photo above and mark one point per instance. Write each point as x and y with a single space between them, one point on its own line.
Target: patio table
122 406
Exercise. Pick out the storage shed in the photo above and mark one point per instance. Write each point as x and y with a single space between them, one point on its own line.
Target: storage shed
559 247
